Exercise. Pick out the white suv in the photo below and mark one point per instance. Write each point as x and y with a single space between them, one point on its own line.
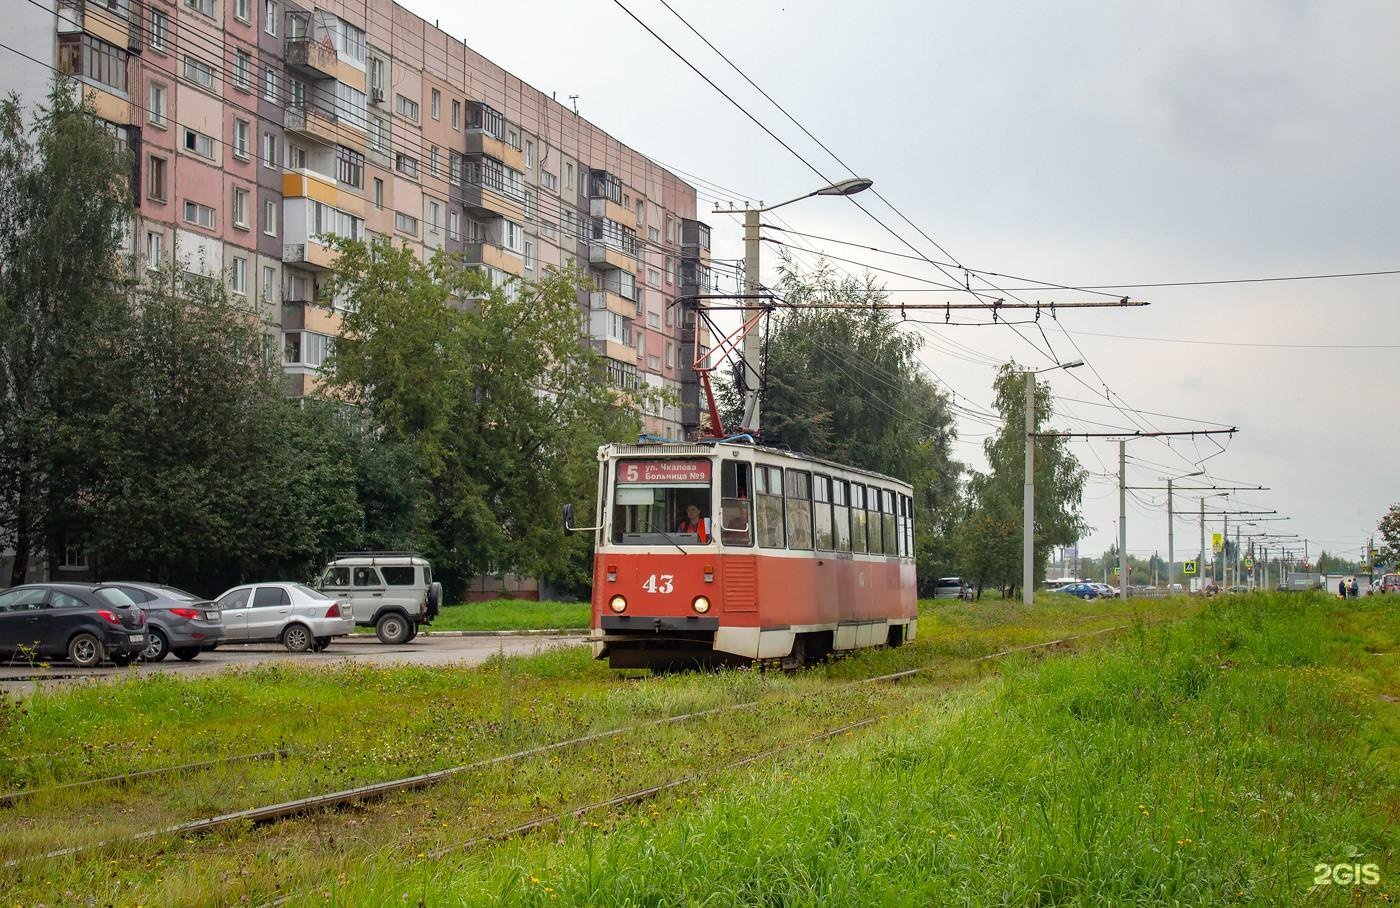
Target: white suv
392 592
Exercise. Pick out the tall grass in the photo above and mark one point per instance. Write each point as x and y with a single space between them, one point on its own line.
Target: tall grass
1213 762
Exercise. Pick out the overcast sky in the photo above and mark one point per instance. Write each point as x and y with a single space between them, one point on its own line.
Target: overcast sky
1079 143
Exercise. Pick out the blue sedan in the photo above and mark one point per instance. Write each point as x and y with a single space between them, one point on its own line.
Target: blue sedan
1083 590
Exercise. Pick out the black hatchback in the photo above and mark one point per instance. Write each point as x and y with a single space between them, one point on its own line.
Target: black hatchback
84 623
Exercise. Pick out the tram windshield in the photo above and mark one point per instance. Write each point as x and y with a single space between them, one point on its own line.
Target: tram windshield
660 502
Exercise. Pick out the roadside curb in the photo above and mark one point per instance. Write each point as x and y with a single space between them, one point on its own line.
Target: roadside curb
532 632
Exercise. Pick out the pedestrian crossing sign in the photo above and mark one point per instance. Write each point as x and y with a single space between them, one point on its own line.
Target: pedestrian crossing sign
1188 567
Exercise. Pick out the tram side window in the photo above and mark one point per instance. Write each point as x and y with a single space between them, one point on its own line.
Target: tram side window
799 509
873 543
901 505
887 520
841 515
857 518
768 488
821 513
908 525
736 518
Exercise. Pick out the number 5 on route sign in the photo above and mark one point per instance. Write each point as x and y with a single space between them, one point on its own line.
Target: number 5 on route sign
1188 567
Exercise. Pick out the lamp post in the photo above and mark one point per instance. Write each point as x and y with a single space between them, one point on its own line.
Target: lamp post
1028 493
1171 528
752 342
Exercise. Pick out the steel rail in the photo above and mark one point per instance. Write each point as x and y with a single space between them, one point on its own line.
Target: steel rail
8 799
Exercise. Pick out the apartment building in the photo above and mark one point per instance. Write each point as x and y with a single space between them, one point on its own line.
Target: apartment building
261 128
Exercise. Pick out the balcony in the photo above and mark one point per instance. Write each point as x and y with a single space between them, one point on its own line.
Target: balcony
483 143
607 208
320 126
613 302
601 255
312 256
312 59
695 239
485 200
494 257
617 351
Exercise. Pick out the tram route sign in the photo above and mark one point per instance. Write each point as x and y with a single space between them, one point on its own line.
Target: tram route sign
663 471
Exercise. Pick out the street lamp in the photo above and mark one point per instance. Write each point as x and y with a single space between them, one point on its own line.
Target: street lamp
1028 496
752 284
1171 527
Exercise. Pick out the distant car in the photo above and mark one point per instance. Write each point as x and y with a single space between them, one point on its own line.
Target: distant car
292 614
951 588
1176 588
85 623
176 621
1390 583
1106 591
1083 590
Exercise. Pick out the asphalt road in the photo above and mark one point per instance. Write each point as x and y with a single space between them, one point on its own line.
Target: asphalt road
431 650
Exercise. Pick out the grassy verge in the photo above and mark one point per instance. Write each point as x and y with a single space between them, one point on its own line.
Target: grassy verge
1219 761
352 724
506 615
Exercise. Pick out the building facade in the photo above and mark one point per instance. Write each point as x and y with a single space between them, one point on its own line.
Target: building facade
261 128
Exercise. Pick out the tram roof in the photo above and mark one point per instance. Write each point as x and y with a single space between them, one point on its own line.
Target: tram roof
671 448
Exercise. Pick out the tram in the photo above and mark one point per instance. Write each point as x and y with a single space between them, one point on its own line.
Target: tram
721 552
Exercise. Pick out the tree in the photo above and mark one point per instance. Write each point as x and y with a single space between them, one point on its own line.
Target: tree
490 390
64 191
990 541
846 385
1389 528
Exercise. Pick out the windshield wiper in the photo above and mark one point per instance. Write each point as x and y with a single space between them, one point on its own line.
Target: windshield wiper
655 529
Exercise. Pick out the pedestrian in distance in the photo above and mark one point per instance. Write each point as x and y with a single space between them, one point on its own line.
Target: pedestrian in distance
1352 590
1342 589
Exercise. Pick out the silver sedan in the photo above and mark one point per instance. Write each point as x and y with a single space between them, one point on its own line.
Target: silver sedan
178 622
293 614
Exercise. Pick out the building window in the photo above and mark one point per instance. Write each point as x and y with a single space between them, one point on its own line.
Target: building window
529 155
199 72
378 193
454 225
349 40
296 156
270 217
513 236
437 104
199 215
74 558
435 161
551 182
201 6
529 255
670 355
94 60
653 235
455 164
155 179
568 175
269 150
160 30
157 105
350 105
328 222
376 80
350 167
238 276
406 107
406 223
406 165
243 10
378 135
240 208
269 281
154 241
242 71
481 118
270 81
434 215
456 114
199 143
270 16
241 131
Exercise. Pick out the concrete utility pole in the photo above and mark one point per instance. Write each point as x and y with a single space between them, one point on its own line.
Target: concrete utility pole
753 341
1201 562
1028 500
1122 519
1171 539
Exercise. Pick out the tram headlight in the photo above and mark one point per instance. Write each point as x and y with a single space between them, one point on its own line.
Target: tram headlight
618 604
701 604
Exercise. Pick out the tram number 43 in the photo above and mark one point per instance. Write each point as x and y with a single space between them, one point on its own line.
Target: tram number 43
663 584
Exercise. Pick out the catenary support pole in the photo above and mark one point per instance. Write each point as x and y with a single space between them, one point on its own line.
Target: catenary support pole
1201 562
753 345
1171 540
1028 500
1122 520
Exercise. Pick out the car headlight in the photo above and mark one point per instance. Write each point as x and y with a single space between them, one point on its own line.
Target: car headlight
618 604
701 604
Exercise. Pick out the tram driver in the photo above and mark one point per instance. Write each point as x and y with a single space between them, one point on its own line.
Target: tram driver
694 523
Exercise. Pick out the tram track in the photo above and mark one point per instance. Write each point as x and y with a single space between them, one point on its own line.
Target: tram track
9 799
284 810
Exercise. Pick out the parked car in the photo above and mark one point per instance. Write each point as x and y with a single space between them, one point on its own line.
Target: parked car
85 623
392 592
176 621
1107 591
951 588
291 614
1083 590
1389 583
1176 588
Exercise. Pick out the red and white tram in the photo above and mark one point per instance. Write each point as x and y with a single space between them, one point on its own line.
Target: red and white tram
717 552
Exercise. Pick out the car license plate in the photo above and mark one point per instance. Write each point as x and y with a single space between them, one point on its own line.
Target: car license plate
137 638
212 616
